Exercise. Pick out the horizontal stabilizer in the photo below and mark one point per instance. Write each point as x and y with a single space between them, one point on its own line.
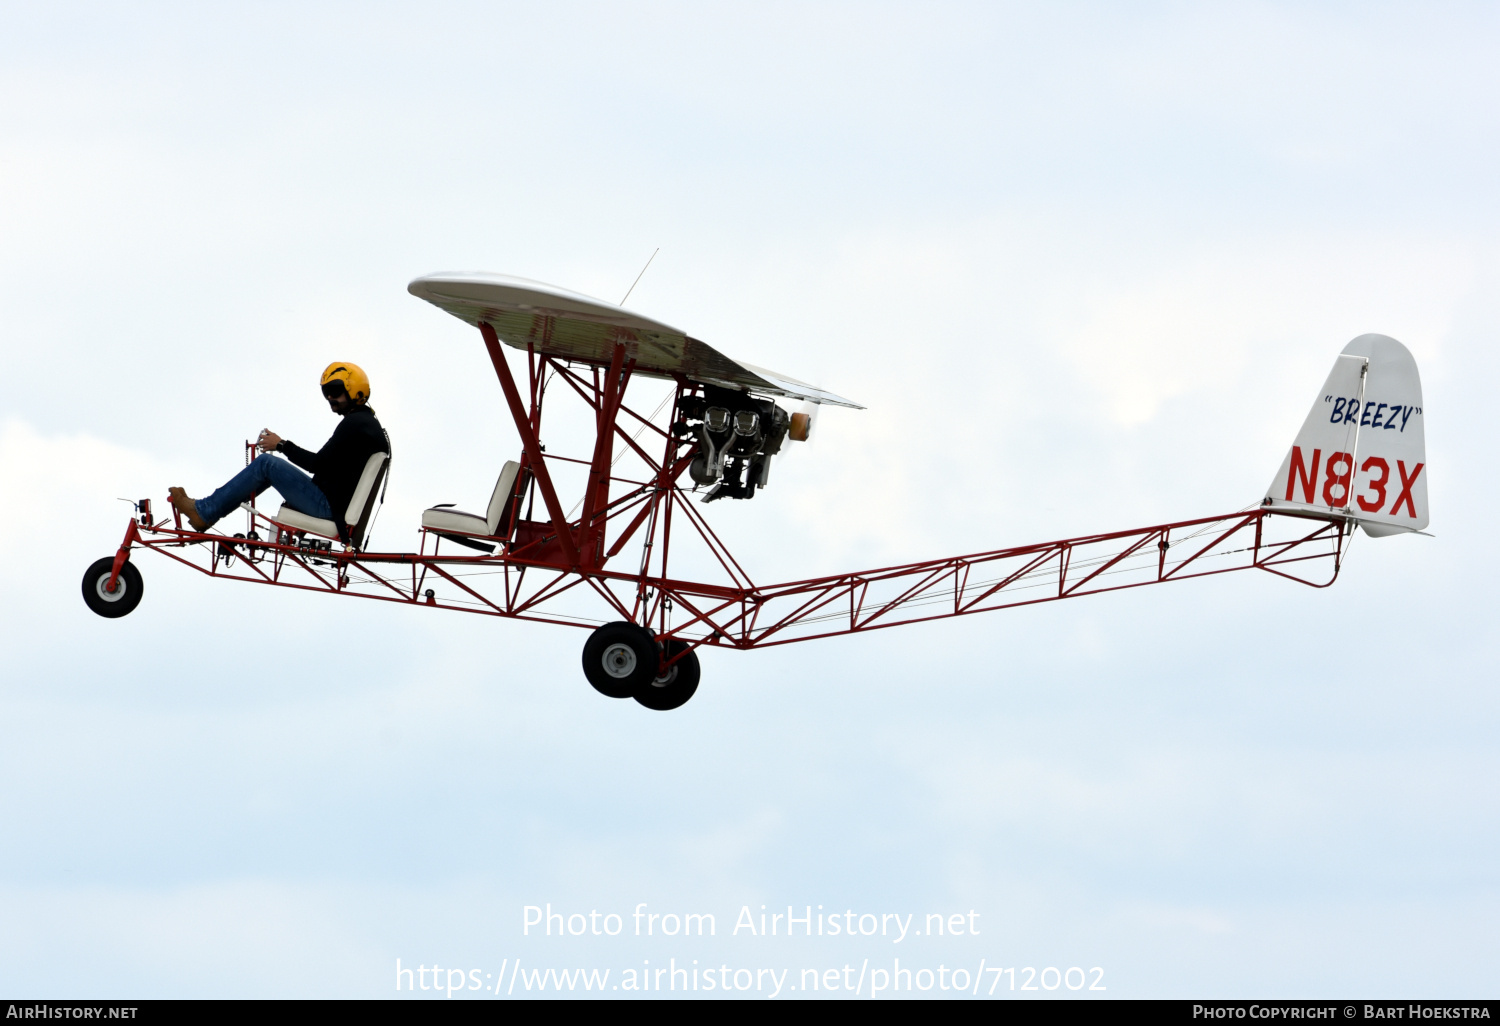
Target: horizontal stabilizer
1361 452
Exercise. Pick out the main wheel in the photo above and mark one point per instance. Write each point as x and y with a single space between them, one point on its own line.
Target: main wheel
674 687
619 658
96 593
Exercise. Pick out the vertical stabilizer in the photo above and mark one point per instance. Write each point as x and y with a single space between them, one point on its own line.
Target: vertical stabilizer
1361 452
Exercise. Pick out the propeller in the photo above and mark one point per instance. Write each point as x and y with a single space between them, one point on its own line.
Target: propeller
804 427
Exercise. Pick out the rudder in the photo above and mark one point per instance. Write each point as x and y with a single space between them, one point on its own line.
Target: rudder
1362 450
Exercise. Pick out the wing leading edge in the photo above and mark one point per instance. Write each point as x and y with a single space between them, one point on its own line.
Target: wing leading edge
573 326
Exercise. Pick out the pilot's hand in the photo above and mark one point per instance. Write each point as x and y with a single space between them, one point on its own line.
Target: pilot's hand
268 440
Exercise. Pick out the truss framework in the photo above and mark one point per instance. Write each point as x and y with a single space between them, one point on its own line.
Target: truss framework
552 566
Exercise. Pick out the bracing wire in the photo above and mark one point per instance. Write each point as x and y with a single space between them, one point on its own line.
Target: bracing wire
634 438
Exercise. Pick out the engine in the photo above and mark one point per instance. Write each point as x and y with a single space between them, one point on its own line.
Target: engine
737 435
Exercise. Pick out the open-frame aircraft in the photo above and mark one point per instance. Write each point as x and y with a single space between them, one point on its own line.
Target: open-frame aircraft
614 562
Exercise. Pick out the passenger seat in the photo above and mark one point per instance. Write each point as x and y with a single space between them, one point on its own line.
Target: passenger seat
495 525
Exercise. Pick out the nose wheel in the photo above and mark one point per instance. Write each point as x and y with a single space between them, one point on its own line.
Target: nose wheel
623 660
107 601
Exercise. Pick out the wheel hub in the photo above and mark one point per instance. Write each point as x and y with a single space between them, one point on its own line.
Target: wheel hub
619 660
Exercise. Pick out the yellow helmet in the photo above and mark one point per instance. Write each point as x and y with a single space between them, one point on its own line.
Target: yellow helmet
355 381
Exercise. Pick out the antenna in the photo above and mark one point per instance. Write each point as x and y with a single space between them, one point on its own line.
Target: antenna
641 275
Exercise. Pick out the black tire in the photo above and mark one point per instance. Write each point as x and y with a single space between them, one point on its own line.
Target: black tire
676 686
619 658
127 593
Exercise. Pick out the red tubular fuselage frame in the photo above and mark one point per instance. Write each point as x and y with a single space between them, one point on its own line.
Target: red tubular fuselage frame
546 563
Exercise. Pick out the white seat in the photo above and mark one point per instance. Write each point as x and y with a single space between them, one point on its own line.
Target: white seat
443 519
297 521
447 520
357 516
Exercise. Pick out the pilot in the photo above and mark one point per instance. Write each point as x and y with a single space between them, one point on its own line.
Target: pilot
335 468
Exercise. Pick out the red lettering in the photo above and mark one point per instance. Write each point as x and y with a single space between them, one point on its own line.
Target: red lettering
1378 484
1299 472
1406 483
1337 480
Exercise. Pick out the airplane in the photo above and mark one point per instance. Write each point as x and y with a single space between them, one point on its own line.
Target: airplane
635 561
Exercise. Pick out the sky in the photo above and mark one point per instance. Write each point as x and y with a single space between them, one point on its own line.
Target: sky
1085 265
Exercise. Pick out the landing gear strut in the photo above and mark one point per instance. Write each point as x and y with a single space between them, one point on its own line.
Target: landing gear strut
623 660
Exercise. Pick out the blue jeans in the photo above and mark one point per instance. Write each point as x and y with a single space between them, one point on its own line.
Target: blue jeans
296 488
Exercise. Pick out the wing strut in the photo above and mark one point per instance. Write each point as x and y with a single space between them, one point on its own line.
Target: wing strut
533 447
596 495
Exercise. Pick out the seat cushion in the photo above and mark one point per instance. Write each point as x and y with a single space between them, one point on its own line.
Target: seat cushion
445 519
288 517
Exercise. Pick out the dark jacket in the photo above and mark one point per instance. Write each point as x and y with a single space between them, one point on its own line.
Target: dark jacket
336 467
